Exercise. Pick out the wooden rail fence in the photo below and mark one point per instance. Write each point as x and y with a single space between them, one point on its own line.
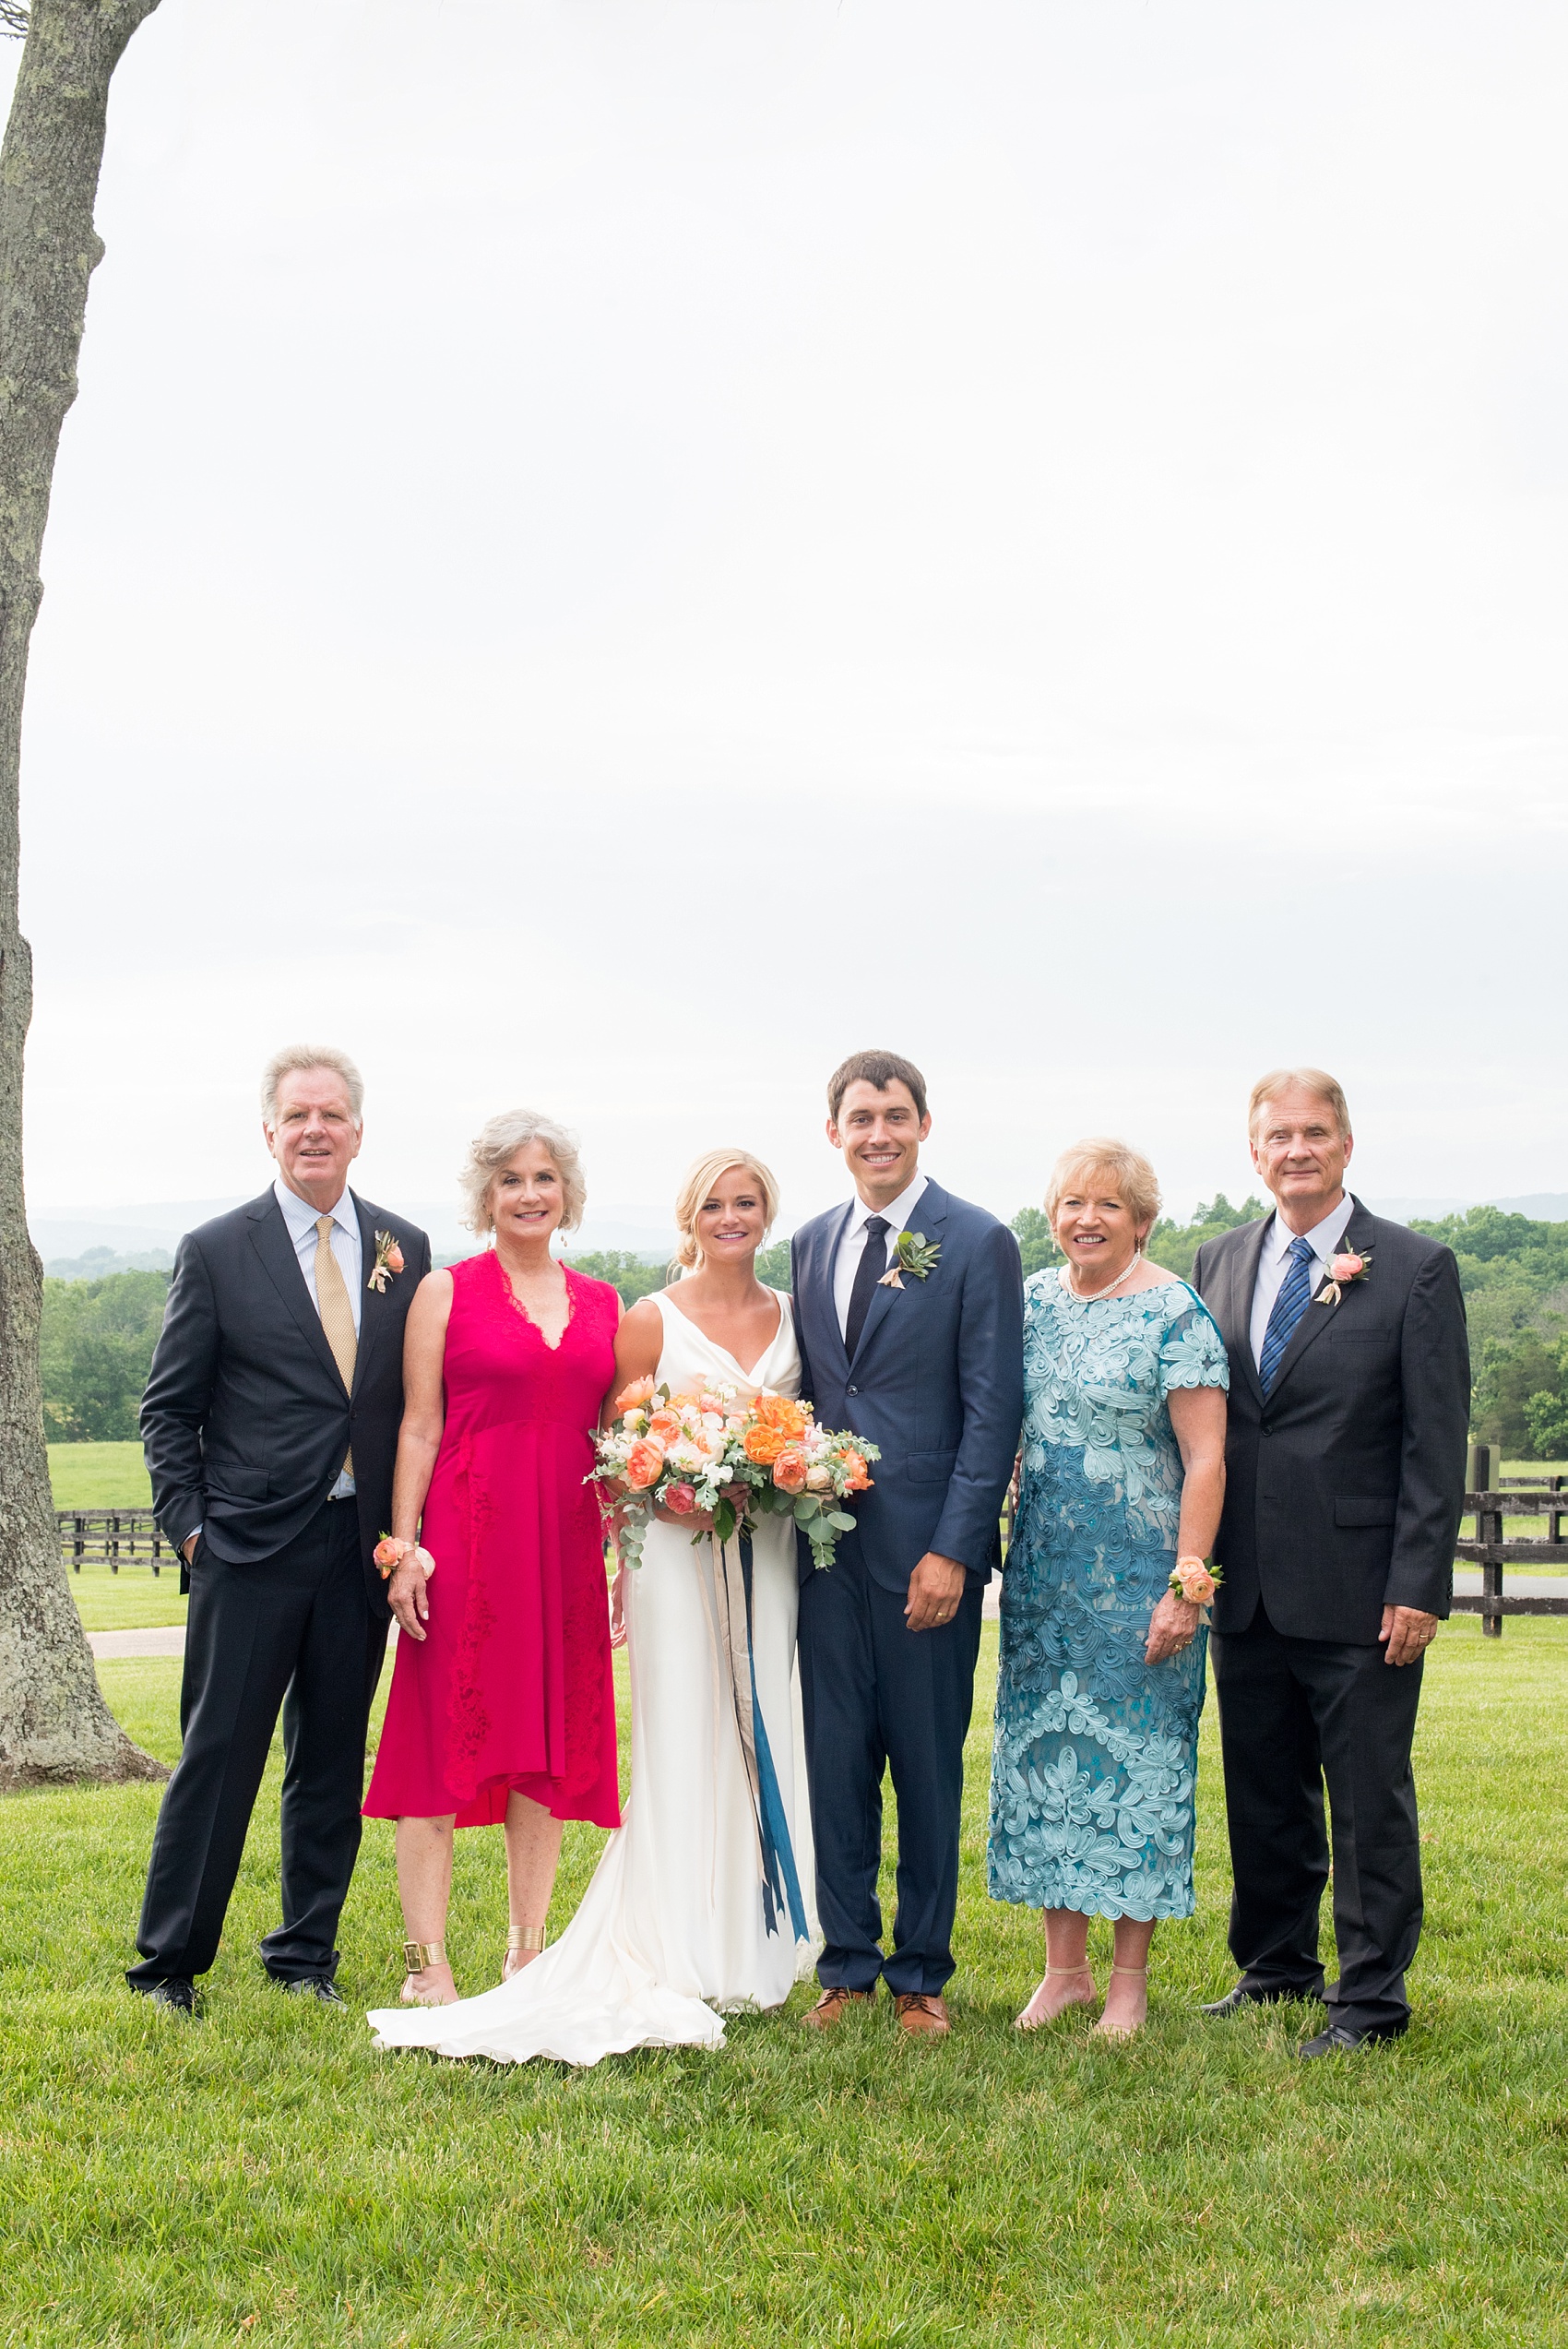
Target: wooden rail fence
120 1536
131 1537
1491 1500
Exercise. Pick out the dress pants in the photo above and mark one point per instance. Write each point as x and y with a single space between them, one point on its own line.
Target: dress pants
876 1694
1296 1715
297 1631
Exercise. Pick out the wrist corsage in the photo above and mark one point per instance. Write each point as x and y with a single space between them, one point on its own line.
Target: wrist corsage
1194 1579
390 1554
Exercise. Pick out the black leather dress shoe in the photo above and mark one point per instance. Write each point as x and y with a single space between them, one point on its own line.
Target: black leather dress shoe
1235 2001
176 1994
1344 2038
317 1986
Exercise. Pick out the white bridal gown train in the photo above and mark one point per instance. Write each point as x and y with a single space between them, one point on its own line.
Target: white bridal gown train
672 1926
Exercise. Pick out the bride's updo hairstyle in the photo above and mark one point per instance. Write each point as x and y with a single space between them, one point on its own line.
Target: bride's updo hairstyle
1126 1170
491 1152
700 1178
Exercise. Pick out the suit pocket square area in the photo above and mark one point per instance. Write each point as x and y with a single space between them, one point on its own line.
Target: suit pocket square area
225 1481
930 1468
1372 1511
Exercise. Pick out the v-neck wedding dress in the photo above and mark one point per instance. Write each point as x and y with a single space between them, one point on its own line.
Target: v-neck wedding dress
672 1926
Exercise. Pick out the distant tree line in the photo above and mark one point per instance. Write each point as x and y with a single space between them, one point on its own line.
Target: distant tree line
98 1335
95 1349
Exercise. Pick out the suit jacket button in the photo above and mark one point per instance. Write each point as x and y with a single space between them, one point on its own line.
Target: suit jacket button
1265 1429
852 1390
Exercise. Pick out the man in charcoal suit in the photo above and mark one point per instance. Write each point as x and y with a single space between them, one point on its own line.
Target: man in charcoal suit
1345 1465
270 1425
919 1349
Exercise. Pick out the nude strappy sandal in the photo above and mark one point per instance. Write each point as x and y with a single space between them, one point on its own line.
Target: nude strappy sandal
1119 2031
1022 2022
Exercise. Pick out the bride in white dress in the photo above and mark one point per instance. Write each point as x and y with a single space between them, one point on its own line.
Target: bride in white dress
676 1923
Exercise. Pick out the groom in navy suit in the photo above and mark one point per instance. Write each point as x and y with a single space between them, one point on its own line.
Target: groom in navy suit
909 1311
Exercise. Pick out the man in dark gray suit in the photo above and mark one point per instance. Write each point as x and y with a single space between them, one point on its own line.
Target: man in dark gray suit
270 1425
1344 1469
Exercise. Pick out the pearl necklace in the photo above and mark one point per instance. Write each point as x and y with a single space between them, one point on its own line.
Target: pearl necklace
1074 1290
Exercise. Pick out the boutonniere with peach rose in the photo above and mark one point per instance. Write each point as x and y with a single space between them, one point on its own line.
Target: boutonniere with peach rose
913 1254
388 1263
1350 1264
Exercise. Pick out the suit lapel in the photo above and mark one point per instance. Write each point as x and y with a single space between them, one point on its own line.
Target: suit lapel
1236 1311
375 1307
269 1237
1317 1318
928 1211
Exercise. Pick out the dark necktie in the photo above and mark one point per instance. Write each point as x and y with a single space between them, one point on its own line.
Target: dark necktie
868 1272
1295 1293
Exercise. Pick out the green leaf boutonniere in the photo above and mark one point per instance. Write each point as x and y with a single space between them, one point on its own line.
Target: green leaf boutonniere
913 1254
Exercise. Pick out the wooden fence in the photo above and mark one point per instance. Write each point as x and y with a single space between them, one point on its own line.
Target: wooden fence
120 1536
1490 1499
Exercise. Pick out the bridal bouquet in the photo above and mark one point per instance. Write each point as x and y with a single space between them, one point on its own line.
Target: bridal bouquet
707 1453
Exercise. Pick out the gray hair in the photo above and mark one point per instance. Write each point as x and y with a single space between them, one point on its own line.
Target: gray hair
492 1151
293 1060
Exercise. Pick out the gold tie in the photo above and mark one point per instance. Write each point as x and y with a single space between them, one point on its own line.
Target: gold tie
337 1314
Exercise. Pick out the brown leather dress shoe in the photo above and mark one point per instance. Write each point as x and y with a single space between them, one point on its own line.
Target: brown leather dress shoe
830 2006
923 2013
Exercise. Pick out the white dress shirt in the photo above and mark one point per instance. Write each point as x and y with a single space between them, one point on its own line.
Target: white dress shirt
301 1218
852 1247
1273 1262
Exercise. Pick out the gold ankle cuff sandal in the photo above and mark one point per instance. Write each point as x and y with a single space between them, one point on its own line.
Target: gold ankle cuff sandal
417 1955
527 1937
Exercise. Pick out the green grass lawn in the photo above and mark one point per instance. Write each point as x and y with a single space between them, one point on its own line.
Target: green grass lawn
263 2176
99 1476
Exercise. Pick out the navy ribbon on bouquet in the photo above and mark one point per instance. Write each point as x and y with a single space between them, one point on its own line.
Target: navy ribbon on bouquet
734 1654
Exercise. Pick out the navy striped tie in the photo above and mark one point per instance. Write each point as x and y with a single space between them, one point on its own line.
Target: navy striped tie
1295 1295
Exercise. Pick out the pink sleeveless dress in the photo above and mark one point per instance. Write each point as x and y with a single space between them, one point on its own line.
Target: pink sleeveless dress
511 1686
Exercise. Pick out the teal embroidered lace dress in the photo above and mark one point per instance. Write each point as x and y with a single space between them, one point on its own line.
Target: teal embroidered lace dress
1096 1753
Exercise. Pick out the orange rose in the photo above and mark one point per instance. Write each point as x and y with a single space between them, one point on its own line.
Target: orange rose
664 1427
633 1398
763 1445
645 1464
790 1468
394 1259
855 1477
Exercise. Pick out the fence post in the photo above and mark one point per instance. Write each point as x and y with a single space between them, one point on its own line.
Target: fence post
1483 1472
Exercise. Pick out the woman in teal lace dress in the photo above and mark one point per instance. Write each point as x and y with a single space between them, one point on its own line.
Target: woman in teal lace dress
1101 1679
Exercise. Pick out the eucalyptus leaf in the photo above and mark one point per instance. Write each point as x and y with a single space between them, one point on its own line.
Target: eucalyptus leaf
839 1522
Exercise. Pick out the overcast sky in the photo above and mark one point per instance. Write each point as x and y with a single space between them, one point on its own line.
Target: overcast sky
610 553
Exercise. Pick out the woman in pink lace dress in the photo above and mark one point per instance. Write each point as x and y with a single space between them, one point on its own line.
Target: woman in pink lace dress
502 1706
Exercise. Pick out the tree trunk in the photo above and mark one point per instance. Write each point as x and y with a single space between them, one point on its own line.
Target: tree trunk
53 1722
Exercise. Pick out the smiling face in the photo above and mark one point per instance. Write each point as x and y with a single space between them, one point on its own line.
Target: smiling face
317 1138
880 1133
527 1198
1096 1230
1301 1156
732 1222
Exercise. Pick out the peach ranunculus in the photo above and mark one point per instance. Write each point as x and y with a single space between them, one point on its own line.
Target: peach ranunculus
633 1398
1196 1584
1348 1267
790 1469
645 1464
679 1498
394 1259
665 1425
855 1477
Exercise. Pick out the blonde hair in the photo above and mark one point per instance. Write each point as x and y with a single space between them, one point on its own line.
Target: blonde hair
492 1151
1306 1081
700 1178
292 1061
1137 1186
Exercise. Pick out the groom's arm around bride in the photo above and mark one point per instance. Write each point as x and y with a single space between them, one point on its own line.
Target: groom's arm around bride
909 1308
